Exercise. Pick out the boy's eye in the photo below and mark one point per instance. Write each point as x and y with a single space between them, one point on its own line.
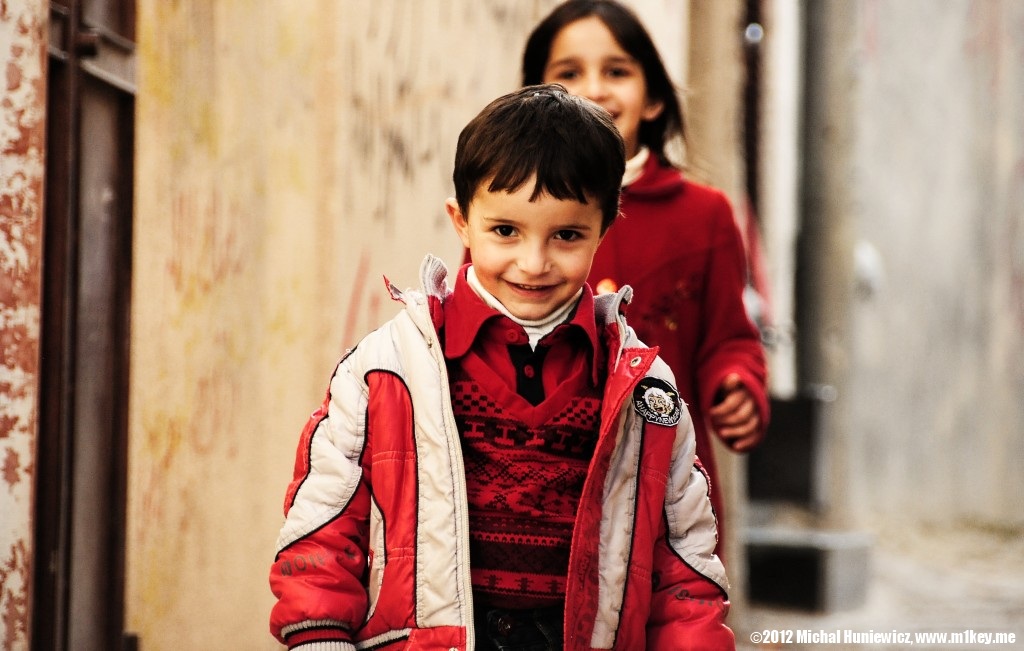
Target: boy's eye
565 75
568 236
504 230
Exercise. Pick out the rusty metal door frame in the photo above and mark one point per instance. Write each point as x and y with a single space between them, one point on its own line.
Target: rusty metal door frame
81 476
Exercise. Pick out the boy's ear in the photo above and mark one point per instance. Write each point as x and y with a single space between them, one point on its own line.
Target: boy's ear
458 220
652 110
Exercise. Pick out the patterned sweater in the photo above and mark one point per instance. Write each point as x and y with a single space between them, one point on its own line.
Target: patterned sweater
528 420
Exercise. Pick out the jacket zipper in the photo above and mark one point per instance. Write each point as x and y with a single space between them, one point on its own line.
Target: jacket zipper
461 507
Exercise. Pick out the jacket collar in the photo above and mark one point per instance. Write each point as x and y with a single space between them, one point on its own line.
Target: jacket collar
466 314
593 314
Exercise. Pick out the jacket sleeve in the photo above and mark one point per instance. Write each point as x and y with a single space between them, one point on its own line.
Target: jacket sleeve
731 342
317 575
688 602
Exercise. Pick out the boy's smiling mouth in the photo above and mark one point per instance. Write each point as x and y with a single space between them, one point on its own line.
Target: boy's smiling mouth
533 288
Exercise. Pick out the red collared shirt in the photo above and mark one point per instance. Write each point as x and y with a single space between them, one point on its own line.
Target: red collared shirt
571 346
528 421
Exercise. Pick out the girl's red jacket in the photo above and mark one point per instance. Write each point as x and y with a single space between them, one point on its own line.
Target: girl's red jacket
678 246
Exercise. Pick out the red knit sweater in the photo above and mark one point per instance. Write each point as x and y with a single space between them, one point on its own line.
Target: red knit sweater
529 420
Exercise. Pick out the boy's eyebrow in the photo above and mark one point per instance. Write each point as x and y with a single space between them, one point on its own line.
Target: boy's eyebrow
496 218
579 226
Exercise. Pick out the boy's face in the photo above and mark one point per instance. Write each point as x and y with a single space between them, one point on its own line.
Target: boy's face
531 256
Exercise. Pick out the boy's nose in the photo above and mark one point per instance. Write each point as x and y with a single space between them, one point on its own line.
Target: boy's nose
533 260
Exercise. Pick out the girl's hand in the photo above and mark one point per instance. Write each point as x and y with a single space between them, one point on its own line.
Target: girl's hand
734 416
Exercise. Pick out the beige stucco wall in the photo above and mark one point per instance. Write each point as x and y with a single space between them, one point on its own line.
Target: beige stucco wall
22 151
288 155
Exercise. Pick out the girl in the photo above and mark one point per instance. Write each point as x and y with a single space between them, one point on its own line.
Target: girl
689 282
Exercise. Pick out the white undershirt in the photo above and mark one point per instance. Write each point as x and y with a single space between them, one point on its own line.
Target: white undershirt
535 330
635 166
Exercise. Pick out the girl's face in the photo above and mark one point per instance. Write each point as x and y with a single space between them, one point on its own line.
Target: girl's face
588 61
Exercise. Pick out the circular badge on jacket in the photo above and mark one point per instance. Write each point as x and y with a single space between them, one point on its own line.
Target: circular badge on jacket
657 401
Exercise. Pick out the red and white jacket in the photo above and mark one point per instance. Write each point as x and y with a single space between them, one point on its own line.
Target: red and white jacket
373 553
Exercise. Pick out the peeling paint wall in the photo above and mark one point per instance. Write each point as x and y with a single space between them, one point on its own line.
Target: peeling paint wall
22 133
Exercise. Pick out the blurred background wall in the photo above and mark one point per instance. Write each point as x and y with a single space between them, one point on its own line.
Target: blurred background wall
287 155
936 164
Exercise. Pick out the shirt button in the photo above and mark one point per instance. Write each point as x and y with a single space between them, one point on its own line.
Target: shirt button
528 371
504 625
635 361
512 336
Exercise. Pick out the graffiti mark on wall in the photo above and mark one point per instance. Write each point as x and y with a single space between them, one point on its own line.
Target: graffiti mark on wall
363 310
988 38
352 310
204 242
1015 244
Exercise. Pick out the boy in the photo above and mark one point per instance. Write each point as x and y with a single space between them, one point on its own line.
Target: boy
503 465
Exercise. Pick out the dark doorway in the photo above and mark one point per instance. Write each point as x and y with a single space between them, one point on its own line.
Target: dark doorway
78 593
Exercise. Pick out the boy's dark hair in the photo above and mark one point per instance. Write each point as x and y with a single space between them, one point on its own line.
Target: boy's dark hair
569 143
633 37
